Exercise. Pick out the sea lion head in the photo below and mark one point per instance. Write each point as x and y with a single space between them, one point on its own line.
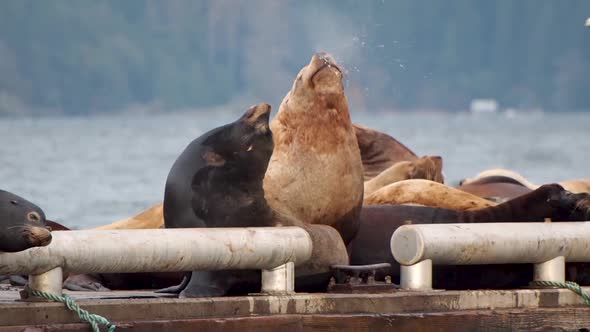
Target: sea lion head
245 145
429 168
22 224
319 83
569 206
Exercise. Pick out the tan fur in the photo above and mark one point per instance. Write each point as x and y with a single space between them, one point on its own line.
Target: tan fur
427 193
315 173
427 168
502 172
575 186
328 249
36 236
148 219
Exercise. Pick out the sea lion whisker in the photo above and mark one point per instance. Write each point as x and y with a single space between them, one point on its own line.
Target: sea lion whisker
17 226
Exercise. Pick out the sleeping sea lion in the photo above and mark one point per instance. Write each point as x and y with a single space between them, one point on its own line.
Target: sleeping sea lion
379 151
496 188
315 173
372 242
427 193
427 168
504 175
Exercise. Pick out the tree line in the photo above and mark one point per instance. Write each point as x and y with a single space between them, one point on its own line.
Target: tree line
85 56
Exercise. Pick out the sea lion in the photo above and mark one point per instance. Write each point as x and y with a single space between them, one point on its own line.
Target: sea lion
427 168
372 242
504 175
500 175
427 193
315 173
379 151
496 188
217 181
152 218
22 224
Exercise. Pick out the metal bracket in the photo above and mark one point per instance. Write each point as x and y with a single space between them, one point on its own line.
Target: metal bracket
360 279
280 280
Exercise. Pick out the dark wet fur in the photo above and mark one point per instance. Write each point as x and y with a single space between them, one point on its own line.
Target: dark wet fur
227 194
17 232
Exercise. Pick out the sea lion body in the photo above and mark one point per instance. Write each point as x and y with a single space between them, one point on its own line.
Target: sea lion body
379 151
316 174
22 224
152 218
496 191
217 182
576 186
372 242
427 168
427 193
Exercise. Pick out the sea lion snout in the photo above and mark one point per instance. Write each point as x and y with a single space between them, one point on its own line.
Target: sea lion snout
36 236
326 76
258 116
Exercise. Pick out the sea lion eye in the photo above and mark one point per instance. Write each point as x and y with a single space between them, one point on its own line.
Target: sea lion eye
33 216
14 202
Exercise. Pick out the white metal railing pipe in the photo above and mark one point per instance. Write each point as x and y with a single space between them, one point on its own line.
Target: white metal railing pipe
547 245
162 250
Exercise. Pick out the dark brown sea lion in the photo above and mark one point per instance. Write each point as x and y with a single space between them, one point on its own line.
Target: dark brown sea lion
379 151
217 182
426 167
22 224
500 175
315 174
427 193
372 243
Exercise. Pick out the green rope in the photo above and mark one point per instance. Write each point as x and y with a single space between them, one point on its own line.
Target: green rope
569 285
93 319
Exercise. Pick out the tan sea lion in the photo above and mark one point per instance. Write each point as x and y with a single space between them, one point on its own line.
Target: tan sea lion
315 173
427 168
574 186
147 219
379 151
427 193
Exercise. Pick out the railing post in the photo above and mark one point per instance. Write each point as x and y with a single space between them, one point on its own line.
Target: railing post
417 276
551 270
280 280
48 282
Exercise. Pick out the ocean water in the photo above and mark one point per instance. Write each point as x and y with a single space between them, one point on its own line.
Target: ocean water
89 171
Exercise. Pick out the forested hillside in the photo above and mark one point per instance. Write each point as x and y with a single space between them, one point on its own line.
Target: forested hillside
82 56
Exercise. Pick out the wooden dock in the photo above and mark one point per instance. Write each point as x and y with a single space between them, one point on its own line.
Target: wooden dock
470 310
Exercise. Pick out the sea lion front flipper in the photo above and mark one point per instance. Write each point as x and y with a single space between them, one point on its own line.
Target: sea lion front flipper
17 280
84 283
178 288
